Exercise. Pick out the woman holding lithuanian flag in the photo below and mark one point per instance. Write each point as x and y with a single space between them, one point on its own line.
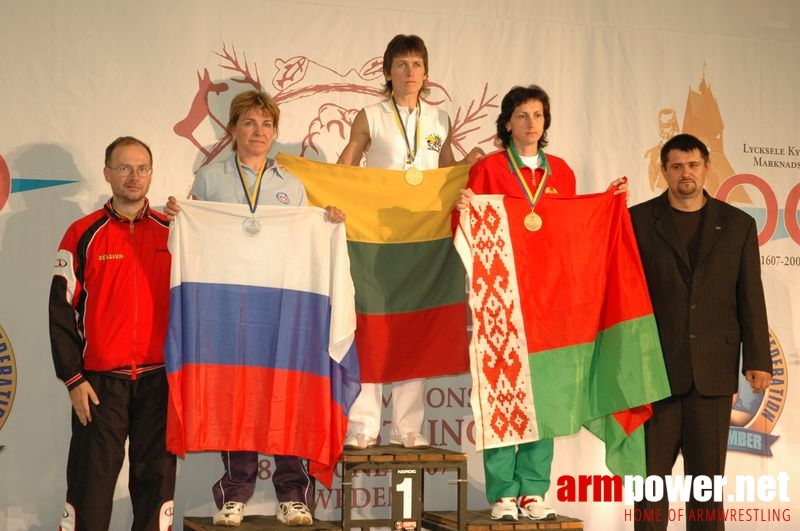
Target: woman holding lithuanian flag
518 476
400 133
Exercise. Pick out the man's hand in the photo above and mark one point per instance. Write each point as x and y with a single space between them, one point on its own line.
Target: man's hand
80 396
759 380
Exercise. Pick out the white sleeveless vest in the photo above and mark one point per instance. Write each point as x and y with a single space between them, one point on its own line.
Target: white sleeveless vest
387 149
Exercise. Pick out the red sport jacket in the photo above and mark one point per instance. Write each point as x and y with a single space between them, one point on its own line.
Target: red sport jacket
109 299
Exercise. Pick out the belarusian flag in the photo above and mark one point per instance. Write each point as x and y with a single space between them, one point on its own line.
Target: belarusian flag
409 281
563 330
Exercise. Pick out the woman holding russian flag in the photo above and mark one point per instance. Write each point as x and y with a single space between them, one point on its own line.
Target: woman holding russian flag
250 177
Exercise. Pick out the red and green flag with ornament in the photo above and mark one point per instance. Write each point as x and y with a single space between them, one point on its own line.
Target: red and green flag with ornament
563 332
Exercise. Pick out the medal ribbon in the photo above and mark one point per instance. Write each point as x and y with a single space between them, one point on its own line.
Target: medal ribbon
533 197
252 195
410 154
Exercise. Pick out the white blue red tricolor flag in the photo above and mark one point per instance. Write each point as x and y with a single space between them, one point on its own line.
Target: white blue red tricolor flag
260 350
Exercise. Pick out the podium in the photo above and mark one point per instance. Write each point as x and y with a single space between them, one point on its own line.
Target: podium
482 521
435 521
407 466
256 523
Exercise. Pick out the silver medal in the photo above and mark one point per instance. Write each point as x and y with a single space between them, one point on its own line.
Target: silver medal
251 226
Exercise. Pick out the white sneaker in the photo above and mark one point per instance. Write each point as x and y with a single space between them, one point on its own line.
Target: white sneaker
535 508
230 515
409 440
359 441
294 513
505 509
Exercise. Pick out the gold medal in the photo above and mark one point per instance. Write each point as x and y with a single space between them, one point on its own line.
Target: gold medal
414 176
533 222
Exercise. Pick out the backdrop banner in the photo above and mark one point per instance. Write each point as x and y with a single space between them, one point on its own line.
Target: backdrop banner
623 76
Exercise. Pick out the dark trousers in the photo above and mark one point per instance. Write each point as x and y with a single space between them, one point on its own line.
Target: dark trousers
133 409
697 427
291 479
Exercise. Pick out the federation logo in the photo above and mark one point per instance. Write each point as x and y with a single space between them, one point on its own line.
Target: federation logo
8 377
754 416
282 197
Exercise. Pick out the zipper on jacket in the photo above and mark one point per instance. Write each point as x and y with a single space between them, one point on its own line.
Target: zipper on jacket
136 301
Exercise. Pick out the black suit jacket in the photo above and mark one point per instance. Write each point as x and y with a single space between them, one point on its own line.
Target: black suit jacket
705 315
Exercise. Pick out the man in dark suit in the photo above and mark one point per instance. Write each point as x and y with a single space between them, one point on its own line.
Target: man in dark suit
702 264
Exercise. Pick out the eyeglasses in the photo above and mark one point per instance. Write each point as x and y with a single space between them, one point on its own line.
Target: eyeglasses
127 171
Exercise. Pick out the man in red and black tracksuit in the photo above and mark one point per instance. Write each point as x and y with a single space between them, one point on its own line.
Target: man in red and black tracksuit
109 308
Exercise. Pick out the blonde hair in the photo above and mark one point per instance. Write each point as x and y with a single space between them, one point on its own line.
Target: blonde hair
252 99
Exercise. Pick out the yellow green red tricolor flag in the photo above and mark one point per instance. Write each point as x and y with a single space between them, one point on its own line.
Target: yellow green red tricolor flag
563 330
409 281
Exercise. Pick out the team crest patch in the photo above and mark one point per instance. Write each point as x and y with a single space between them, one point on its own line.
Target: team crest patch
282 197
434 142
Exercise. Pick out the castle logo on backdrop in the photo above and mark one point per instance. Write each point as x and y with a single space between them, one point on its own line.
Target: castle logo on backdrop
703 119
753 416
325 100
8 378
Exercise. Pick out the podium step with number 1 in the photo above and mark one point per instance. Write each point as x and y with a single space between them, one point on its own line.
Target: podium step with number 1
407 466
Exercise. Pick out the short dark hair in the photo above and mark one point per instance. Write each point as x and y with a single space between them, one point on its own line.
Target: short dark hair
403 45
516 97
686 143
125 141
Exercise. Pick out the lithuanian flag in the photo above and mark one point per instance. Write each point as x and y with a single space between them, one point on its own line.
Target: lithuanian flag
563 330
409 281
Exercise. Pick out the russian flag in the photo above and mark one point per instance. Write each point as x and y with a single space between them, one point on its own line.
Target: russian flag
260 350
